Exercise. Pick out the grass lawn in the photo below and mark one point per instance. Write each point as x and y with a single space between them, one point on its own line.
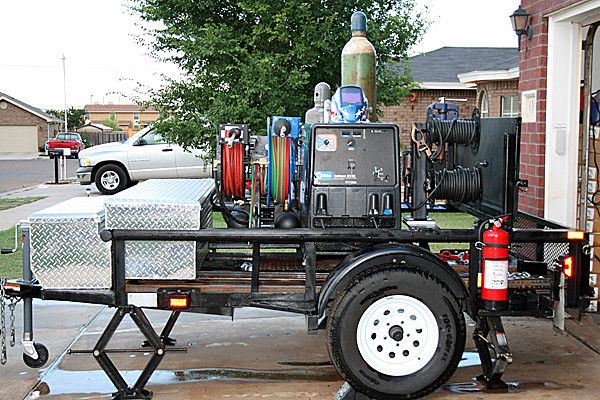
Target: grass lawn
10 264
448 220
10 202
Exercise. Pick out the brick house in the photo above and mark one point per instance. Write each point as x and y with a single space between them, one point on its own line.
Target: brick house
24 128
129 117
437 73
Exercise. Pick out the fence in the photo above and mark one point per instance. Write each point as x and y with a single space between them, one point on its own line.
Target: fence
95 138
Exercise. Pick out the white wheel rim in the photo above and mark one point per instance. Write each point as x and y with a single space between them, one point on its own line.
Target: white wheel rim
109 180
415 335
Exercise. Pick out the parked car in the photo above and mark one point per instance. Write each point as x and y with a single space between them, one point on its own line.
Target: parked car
115 166
66 140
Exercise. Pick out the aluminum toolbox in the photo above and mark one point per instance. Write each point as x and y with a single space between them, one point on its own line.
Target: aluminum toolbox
66 249
162 204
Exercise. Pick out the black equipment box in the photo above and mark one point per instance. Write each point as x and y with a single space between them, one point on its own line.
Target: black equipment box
354 176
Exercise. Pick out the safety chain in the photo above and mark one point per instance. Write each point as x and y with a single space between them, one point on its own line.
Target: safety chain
2 322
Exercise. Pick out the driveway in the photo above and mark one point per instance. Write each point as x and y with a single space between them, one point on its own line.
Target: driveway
16 174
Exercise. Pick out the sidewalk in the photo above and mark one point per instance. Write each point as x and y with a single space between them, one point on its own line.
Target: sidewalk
55 194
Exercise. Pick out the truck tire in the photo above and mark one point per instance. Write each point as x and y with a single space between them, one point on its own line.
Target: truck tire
111 179
396 333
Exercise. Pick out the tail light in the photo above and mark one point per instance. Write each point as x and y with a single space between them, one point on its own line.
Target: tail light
575 235
568 267
179 301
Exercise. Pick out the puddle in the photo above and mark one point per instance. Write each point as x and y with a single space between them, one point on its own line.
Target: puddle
60 381
513 387
469 359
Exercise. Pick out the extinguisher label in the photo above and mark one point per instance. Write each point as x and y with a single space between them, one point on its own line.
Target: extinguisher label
496 274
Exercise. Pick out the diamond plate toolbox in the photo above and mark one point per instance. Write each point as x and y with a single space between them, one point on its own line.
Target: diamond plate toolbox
162 204
66 249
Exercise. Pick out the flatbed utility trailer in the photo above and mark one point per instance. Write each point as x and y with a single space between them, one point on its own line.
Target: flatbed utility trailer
393 310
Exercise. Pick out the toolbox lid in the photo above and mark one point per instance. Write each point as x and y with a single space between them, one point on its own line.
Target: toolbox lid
77 207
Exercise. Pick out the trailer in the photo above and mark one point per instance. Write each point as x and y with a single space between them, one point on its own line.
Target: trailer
315 228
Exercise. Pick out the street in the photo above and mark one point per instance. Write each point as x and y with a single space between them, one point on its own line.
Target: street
16 174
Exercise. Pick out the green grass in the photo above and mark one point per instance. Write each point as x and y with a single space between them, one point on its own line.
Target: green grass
10 264
451 220
11 202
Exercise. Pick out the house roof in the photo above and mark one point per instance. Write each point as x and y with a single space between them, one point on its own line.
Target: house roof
116 108
440 68
34 110
96 125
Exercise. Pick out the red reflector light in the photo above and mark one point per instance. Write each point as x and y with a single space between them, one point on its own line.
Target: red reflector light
179 301
575 235
568 266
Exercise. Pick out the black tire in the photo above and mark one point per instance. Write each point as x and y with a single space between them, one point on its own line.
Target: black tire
352 302
42 359
111 179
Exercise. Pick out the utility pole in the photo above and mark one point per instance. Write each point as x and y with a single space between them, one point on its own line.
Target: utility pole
65 89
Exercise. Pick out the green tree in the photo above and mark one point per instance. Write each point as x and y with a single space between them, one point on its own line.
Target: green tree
75 116
111 122
244 60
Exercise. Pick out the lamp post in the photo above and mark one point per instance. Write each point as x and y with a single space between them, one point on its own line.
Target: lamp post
520 20
65 89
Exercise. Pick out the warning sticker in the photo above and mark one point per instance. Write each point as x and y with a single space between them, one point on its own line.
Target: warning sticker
496 274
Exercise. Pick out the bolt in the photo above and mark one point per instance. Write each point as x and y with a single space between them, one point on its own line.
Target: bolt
96 353
160 352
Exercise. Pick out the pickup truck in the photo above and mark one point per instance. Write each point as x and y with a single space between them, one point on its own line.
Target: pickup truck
146 155
67 140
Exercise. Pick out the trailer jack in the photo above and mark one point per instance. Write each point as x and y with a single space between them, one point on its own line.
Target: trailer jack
493 368
124 391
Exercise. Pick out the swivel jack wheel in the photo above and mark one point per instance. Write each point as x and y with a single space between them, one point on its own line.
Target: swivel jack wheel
42 356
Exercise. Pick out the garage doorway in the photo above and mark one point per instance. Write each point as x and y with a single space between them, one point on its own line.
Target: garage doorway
19 139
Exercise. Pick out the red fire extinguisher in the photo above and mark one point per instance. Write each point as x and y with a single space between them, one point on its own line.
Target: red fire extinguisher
494 268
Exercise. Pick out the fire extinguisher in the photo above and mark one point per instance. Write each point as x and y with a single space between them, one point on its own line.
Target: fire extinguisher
494 267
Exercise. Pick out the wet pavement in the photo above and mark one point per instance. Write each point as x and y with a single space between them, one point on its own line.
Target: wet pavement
268 355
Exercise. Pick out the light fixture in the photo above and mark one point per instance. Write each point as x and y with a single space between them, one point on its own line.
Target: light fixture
520 22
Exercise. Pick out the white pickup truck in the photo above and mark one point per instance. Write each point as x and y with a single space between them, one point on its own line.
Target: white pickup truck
146 155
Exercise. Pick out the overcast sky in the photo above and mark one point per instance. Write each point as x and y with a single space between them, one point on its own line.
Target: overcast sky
97 38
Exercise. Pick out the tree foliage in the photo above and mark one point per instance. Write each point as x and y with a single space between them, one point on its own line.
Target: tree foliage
75 117
244 60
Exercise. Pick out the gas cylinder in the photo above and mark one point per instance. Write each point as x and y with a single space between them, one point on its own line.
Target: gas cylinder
494 268
359 61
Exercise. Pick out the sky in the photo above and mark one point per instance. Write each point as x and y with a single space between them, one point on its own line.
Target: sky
104 62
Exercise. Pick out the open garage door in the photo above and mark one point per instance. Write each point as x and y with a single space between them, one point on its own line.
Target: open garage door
18 139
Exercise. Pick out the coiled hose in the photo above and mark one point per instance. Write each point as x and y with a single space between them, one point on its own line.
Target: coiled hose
462 185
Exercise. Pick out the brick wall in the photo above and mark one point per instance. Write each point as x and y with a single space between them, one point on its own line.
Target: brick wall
16 116
408 112
495 90
532 76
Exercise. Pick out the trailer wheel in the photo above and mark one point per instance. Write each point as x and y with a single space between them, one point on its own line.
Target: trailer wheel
42 359
396 333
111 179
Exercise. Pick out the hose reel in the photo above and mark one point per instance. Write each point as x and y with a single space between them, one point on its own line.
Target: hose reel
465 132
461 185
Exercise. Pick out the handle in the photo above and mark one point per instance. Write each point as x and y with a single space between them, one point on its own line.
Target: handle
167 149
7 251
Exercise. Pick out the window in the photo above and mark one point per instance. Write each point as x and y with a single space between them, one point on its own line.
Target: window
152 137
510 106
136 116
485 104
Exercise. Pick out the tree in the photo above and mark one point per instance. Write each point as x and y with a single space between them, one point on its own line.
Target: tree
75 116
111 122
244 60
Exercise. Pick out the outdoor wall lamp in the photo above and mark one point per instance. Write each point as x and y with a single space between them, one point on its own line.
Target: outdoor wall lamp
520 22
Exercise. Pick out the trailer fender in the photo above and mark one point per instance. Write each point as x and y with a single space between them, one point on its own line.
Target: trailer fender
405 256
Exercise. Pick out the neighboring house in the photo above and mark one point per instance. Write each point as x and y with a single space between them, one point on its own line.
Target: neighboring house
129 117
497 90
437 72
24 128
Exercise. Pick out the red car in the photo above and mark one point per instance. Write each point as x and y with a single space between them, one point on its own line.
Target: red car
67 140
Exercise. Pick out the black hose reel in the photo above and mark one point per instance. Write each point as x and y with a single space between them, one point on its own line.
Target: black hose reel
466 132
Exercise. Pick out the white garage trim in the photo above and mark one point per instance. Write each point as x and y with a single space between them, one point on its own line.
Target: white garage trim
19 139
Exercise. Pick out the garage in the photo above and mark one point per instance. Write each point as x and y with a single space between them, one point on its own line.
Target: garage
23 127
19 139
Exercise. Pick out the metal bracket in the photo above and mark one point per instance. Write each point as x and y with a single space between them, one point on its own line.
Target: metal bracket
493 368
29 349
124 391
